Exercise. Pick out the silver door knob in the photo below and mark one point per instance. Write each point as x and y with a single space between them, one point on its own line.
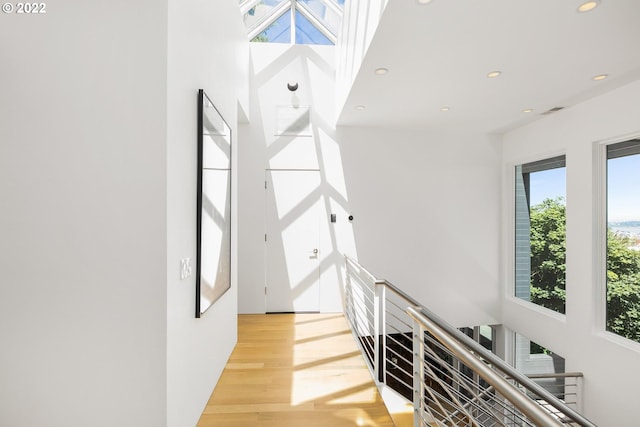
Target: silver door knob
315 251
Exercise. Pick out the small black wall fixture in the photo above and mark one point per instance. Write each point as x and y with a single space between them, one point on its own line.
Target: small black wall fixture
292 86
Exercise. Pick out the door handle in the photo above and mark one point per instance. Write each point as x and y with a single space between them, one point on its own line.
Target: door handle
315 252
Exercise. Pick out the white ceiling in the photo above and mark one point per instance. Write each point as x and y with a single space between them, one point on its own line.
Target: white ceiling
439 54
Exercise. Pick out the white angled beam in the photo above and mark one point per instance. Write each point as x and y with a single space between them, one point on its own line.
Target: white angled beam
304 11
271 18
247 5
331 4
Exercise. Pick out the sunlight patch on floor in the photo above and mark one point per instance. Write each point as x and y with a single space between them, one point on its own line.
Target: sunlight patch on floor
322 372
295 370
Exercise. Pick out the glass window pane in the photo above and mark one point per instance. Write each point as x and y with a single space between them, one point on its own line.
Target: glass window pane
540 229
260 12
534 359
467 331
326 15
486 337
278 32
623 240
307 33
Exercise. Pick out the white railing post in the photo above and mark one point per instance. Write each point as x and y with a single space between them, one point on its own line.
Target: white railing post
579 394
418 372
376 331
383 331
380 330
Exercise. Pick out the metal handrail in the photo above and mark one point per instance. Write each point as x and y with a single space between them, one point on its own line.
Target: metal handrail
556 375
471 354
508 369
527 406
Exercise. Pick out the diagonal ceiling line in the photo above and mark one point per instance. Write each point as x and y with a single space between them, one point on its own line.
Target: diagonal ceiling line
304 11
331 4
282 8
246 6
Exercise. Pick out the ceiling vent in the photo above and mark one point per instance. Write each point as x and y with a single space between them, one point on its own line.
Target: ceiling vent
552 110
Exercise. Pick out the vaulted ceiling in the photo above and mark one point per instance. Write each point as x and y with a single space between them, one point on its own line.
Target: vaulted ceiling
292 21
439 55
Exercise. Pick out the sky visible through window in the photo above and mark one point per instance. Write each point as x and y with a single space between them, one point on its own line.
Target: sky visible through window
623 187
547 184
259 19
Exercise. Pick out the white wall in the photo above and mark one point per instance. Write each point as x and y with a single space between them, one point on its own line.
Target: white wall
207 49
312 67
97 175
359 24
427 217
607 362
83 218
422 202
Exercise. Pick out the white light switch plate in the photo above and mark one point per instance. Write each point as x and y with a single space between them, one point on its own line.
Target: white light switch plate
185 268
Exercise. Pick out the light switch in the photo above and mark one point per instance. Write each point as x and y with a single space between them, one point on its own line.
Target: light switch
185 268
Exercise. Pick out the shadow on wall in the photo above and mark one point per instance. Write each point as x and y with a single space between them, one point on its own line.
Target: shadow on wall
292 139
426 206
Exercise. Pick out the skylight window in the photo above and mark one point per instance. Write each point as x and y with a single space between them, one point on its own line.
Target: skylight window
292 21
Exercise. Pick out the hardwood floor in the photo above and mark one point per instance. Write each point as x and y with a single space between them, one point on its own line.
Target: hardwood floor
295 370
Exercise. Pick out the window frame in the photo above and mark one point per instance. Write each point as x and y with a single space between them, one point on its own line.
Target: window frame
540 163
600 240
292 7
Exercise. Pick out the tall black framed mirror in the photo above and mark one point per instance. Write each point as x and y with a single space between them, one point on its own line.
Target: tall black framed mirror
213 260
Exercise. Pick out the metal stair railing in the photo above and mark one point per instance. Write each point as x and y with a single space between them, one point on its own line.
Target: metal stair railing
451 379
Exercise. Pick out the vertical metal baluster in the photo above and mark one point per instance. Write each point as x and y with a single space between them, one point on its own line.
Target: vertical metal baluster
418 373
383 330
376 330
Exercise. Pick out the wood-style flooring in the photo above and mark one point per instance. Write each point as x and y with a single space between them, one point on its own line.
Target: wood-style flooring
295 370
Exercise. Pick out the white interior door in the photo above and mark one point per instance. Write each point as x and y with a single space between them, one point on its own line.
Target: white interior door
292 240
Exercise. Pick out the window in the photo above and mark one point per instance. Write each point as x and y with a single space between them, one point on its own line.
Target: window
483 335
544 367
293 21
623 239
540 225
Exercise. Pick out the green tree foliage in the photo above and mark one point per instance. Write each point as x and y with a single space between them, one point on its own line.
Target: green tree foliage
262 37
548 248
623 287
548 261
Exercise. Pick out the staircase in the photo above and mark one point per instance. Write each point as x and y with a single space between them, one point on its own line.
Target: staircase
449 379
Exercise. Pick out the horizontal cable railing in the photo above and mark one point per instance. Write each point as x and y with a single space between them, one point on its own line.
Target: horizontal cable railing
451 379
565 386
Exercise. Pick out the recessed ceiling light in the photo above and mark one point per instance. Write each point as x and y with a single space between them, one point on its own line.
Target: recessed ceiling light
494 74
588 5
600 77
527 110
423 1
360 107
381 71
444 109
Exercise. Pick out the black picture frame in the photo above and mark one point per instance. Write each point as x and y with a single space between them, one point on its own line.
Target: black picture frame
213 229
